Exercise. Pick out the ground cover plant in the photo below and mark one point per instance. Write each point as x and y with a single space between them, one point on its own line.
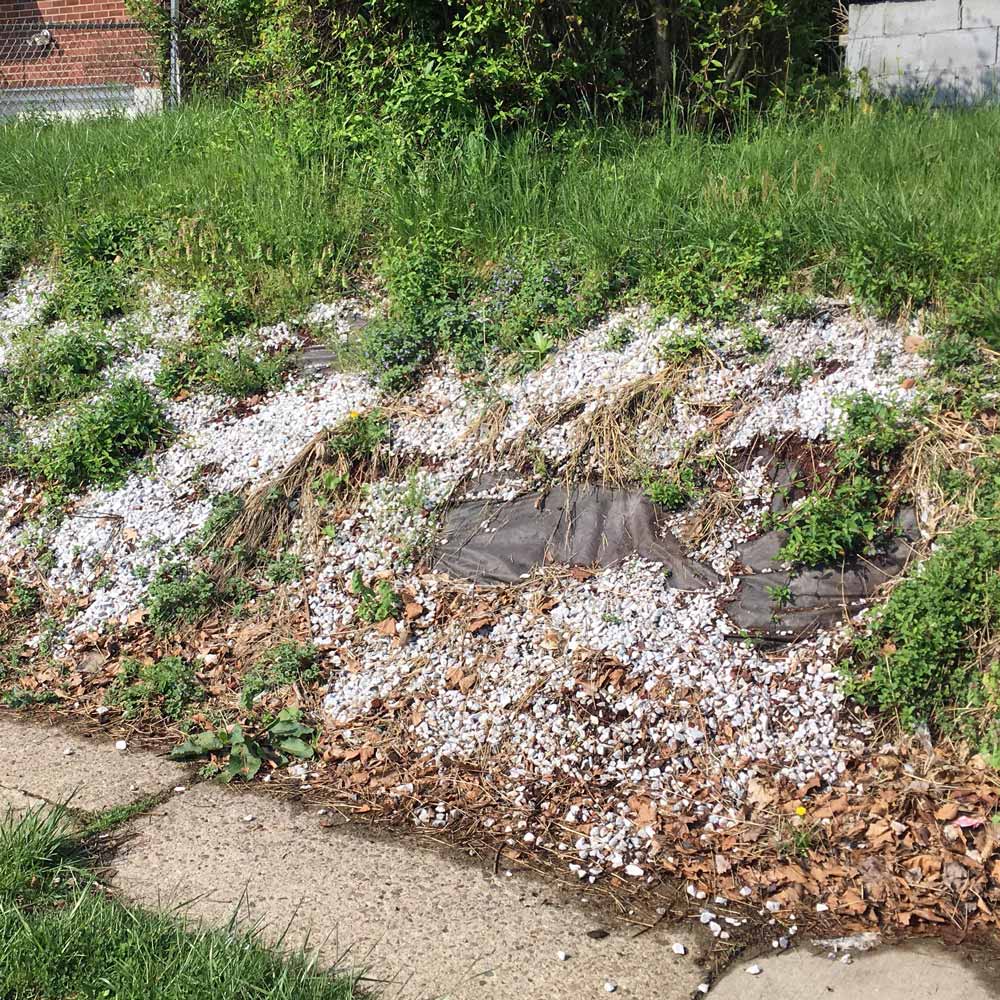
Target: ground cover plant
65 935
102 441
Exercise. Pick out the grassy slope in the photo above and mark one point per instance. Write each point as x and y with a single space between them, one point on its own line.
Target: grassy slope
894 204
62 936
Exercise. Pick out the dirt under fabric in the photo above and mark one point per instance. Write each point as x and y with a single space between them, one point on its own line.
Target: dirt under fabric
496 542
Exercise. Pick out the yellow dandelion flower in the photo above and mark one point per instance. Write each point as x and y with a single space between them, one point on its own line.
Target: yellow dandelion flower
800 810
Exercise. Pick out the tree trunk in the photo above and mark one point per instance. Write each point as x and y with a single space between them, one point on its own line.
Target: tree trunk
661 18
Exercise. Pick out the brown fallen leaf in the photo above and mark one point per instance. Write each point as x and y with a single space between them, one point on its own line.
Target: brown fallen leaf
387 627
947 812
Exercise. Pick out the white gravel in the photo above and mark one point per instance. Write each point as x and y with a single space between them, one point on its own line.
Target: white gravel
615 685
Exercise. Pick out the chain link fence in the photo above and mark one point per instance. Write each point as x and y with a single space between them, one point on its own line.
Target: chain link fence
73 59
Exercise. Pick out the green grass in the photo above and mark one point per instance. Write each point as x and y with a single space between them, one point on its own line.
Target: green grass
845 200
63 936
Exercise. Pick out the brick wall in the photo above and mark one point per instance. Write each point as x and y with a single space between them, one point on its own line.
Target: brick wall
950 48
66 47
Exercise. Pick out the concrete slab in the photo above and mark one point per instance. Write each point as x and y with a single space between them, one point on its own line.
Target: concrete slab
925 971
420 918
17 802
91 776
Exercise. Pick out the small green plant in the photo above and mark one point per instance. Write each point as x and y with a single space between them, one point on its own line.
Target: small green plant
238 372
359 436
284 569
179 594
428 307
376 603
226 507
797 371
921 654
168 686
103 441
619 337
221 314
681 347
47 369
536 349
287 663
97 261
825 528
672 491
284 738
24 600
18 697
753 340
871 433
781 595
789 305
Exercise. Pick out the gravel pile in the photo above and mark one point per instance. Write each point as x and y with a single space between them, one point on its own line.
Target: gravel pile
611 683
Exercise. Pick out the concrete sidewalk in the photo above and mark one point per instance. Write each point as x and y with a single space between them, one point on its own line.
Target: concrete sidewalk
424 922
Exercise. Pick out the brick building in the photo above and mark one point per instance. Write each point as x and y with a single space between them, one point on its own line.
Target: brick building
74 57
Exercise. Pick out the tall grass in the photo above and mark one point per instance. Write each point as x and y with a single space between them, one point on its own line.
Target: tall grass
898 206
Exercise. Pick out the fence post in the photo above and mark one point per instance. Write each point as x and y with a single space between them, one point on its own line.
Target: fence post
175 54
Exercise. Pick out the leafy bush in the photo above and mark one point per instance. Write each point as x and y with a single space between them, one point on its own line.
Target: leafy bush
359 436
872 432
168 685
232 372
49 369
284 569
427 308
16 235
423 66
920 656
104 440
221 314
720 279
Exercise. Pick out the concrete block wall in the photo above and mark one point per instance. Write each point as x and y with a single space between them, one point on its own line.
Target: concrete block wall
947 49
66 54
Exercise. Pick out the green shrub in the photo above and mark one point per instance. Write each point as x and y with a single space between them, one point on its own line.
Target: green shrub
103 441
428 296
359 436
678 348
221 314
917 659
284 569
425 67
873 432
168 685
720 279
238 373
17 231
48 369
